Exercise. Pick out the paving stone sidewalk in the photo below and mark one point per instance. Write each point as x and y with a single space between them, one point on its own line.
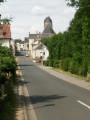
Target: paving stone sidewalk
73 80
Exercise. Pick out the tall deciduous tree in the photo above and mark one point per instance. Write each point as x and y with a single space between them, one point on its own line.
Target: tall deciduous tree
72 47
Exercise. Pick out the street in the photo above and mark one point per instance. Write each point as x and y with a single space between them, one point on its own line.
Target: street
51 97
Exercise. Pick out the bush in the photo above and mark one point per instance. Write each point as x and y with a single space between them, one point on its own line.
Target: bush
46 63
65 63
88 69
74 67
56 63
3 78
81 71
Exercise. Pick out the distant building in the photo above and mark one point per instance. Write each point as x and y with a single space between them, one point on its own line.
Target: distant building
36 48
5 34
19 45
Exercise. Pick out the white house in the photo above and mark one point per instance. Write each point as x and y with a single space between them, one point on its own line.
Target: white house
40 50
36 48
32 40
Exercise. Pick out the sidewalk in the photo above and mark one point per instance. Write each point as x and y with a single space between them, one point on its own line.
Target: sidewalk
73 80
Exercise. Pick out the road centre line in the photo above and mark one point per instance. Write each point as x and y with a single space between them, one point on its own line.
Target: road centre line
83 104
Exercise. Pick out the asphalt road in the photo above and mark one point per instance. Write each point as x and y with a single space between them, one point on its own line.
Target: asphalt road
51 97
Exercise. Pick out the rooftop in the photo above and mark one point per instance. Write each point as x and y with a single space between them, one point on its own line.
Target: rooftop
5 31
48 19
48 29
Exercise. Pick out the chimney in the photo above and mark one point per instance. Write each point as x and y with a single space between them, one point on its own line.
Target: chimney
0 18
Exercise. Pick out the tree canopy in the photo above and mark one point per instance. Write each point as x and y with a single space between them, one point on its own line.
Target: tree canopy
70 50
6 20
79 3
2 0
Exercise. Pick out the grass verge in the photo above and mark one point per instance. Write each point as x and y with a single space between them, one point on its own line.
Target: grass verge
68 73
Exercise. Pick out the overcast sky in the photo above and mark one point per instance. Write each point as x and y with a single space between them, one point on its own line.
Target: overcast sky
28 15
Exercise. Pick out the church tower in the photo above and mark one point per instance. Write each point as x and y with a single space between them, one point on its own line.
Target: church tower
48 26
47 22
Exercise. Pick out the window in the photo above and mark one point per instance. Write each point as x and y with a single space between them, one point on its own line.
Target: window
43 53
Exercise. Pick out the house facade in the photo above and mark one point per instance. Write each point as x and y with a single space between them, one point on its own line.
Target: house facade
5 35
40 51
19 45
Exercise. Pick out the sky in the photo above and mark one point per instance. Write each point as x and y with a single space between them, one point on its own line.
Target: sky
28 15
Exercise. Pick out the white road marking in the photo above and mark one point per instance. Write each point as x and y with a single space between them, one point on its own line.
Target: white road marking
83 104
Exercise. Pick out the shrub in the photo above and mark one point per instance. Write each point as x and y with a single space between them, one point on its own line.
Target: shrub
3 78
65 63
88 69
74 66
56 63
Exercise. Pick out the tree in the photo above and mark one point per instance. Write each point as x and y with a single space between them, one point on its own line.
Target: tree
6 20
2 0
7 61
79 3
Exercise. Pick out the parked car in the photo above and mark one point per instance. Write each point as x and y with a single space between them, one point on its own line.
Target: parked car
27 55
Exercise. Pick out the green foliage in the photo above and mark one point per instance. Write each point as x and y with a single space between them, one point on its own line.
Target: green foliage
9 106
65 63
44 41
74 66
6 20
8 65
72 47
79 3
88 69
5 52
7 62
1 0
3 97
3 78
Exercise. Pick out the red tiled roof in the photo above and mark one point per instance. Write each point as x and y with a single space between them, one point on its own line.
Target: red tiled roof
5 31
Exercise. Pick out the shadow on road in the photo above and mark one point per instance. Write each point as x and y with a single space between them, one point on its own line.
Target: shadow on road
19 54
40 99
27 65
34 100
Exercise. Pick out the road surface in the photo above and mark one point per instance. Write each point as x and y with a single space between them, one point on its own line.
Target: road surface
51 97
